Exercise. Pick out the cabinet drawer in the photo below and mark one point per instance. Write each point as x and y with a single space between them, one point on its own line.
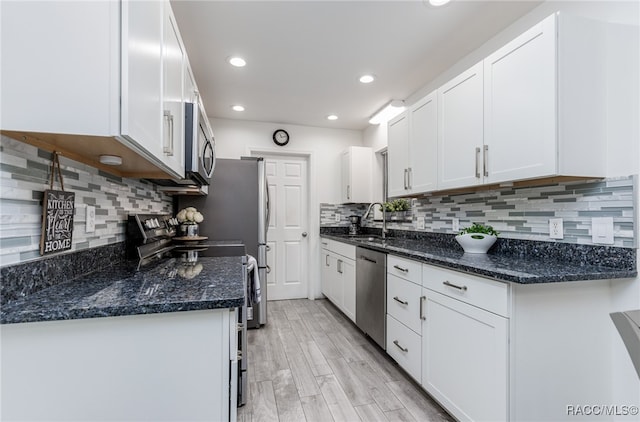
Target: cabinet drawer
403 301
404 268
405 347
483 293
348 251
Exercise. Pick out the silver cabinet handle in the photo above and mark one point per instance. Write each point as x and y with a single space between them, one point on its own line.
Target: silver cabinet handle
477 167
326 260
340 266
404 270
304 234
463 288
400 347
405 178
325 243
422 299
168 149
348 192
400 301
410 176
485 161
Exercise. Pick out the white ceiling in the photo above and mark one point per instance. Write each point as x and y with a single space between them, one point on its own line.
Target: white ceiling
304 57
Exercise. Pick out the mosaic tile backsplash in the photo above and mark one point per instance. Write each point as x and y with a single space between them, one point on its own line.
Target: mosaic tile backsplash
520 213
24 173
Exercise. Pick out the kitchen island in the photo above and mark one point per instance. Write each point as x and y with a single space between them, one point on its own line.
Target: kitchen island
125 343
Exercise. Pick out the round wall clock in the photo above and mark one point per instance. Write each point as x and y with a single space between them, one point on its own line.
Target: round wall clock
281 137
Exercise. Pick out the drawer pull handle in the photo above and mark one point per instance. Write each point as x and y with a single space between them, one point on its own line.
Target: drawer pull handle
400 301
463 288
400 347
404 270
422 299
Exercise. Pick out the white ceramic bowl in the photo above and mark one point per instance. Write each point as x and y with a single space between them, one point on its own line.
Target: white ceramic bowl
476 242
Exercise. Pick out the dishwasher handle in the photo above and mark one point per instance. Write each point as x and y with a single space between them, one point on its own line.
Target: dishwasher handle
368 259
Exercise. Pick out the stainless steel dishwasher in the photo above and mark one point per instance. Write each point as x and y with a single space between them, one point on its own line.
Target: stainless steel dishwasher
371 292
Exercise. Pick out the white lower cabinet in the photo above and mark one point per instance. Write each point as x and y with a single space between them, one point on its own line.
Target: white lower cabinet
465 358
338 276
404 346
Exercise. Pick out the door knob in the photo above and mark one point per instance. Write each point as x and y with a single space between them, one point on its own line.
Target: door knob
304 234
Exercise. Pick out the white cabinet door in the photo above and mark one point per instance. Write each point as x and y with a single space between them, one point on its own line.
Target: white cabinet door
141 84
347 270
398 155
326 274
173 65
520 106
357 170
404 346
423 145
460 136
465 358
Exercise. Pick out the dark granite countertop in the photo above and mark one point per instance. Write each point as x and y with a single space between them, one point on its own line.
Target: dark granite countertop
169 285
498 266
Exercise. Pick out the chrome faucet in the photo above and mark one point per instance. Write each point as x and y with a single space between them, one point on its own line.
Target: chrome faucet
384 220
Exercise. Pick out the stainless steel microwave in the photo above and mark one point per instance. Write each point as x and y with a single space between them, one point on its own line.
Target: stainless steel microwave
200 152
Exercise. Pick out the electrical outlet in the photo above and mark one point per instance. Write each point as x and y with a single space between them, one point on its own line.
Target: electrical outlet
91 219
602 230
556 229
420 223
455 224
337 217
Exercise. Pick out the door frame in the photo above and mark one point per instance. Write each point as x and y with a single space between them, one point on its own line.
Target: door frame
313 219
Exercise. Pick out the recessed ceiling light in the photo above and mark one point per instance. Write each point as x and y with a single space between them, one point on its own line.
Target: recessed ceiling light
332 117
237 61
438 2
237 108
366 79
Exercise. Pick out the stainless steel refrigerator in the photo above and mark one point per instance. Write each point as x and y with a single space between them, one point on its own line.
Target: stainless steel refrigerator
237 208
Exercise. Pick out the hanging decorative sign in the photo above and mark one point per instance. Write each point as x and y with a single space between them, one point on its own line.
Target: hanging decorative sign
57 214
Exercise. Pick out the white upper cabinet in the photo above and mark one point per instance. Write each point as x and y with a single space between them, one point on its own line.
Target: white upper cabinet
398 155
94 78
460 137
141 75
357 170
423 145
173 60
412 146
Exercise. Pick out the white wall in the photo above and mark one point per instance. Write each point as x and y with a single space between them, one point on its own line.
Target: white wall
236 138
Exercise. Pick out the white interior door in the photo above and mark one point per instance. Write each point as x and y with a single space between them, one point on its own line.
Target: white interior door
287 233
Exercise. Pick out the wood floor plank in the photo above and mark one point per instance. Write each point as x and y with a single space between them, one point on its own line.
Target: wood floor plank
417 403
275 349
382 364
287 400
300 330
328 349
357 393
300 369
264 403
315 409
336 399
315 358
378 390
371 413
345 346
400 415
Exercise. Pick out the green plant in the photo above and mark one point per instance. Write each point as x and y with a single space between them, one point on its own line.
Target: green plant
396 205
479 228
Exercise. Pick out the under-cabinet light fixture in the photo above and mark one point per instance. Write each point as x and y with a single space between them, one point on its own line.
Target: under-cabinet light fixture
111 160
388 112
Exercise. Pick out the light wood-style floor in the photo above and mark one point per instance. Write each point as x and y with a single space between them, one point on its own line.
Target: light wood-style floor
310 363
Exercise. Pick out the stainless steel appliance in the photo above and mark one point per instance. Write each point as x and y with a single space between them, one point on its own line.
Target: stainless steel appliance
199 155
371 289
150 238
237 207
355 223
